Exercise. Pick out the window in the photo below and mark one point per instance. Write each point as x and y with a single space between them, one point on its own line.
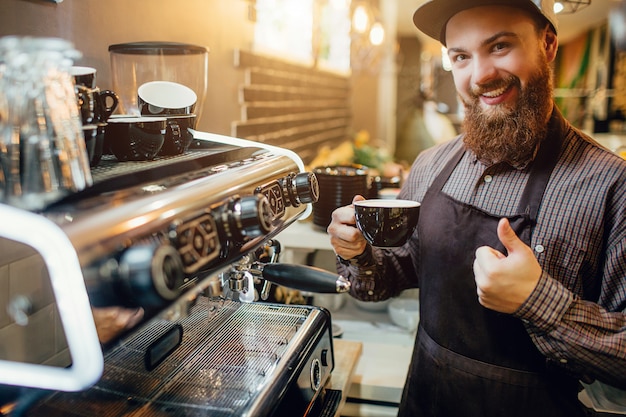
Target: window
314 32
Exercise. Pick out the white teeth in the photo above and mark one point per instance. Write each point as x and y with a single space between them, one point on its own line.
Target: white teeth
495 93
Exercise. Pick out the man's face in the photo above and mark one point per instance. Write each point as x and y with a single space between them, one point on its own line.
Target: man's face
501 70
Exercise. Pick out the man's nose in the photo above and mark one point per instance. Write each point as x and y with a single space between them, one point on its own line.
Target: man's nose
483 71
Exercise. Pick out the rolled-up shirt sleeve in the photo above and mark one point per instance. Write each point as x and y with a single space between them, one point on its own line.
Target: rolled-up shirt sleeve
578 336
377 274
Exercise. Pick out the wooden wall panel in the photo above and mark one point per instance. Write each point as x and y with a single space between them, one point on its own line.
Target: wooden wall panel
292 106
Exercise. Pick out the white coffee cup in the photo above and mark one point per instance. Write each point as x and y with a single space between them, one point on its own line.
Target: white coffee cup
162 98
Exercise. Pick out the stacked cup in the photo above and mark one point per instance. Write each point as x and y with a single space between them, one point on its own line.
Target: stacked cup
338 185
162 128
176 102
95 108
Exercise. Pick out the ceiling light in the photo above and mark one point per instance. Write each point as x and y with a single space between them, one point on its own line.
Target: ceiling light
558 7
377 34
360 19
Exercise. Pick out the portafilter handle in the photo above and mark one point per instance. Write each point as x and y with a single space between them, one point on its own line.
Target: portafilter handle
305 278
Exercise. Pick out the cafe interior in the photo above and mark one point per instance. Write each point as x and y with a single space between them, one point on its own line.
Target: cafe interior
280 90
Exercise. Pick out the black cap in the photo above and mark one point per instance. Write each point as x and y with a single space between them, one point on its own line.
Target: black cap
432 16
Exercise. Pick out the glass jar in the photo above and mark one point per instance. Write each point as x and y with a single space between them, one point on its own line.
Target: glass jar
42 149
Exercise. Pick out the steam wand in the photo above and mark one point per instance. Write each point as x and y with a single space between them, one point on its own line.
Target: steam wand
299 277
274 245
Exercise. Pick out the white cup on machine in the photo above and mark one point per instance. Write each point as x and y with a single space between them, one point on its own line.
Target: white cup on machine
165 98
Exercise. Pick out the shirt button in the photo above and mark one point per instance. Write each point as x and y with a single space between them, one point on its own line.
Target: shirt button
539 248
488 178
370 292
563 360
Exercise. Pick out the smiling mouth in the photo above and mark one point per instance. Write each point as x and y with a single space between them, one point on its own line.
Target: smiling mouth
495 93
494 89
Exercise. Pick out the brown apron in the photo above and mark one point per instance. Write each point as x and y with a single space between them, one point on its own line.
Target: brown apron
470 361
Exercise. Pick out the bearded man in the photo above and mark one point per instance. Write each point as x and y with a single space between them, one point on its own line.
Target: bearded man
520 249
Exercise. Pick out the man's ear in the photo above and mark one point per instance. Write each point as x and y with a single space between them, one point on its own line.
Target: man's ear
551 44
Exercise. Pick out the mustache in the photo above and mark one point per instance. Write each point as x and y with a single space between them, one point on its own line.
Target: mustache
476 90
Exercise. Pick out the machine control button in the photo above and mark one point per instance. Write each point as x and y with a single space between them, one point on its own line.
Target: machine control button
254 215
307 187
151 274
324 357
301 188
316 375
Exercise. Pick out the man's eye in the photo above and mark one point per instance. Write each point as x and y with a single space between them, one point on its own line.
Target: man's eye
458 58
500 46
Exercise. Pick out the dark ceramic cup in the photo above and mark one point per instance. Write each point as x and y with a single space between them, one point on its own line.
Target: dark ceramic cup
135 138
177 134
90 133
95 106
84 76
107 102
386 223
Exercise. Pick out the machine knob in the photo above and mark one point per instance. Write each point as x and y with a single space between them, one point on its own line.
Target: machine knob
151 275
253 215
301 188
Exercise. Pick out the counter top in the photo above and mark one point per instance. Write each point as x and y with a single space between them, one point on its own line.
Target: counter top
346 354
382 368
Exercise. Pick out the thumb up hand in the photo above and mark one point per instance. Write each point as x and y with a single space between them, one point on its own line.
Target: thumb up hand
504 282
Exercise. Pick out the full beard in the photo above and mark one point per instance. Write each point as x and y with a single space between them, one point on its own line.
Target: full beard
510 134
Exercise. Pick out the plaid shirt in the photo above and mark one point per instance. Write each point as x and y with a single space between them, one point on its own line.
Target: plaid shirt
576 314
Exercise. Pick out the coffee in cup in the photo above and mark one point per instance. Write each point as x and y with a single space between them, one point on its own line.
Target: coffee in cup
386 223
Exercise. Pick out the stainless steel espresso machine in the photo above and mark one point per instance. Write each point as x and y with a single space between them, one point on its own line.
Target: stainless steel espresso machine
178 245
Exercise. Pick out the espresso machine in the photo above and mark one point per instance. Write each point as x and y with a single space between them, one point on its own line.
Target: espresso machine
185 247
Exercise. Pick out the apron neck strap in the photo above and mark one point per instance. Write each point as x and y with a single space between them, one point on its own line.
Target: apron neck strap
543 165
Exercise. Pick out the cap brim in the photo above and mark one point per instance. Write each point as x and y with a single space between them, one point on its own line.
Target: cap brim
432 16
